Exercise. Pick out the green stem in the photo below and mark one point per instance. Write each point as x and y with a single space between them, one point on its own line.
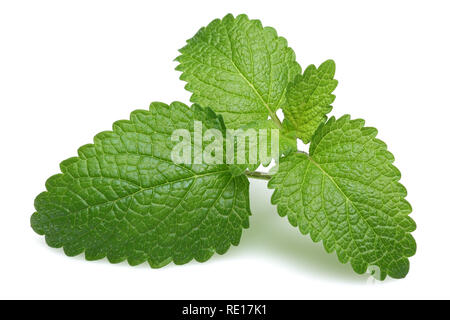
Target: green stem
258 175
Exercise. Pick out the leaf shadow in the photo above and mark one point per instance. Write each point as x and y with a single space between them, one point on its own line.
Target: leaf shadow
273 236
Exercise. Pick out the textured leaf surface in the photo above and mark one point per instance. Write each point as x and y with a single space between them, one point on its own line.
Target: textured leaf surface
308 100
123 197
347 194
286 144
286 141
239 69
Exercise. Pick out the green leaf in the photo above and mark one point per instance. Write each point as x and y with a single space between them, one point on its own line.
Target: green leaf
286 141
309 98
264 142
346 193
124 198
239 69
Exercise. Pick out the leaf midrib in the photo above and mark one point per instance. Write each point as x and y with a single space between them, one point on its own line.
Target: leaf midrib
349 201
194 177
273 115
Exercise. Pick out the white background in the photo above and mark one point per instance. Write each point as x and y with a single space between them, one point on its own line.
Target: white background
69 69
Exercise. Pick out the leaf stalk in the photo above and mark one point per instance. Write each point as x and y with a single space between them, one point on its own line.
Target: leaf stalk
258 175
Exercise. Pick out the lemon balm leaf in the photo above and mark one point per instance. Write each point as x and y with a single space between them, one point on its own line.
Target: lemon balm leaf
125 199
309 99
238 68
347 194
